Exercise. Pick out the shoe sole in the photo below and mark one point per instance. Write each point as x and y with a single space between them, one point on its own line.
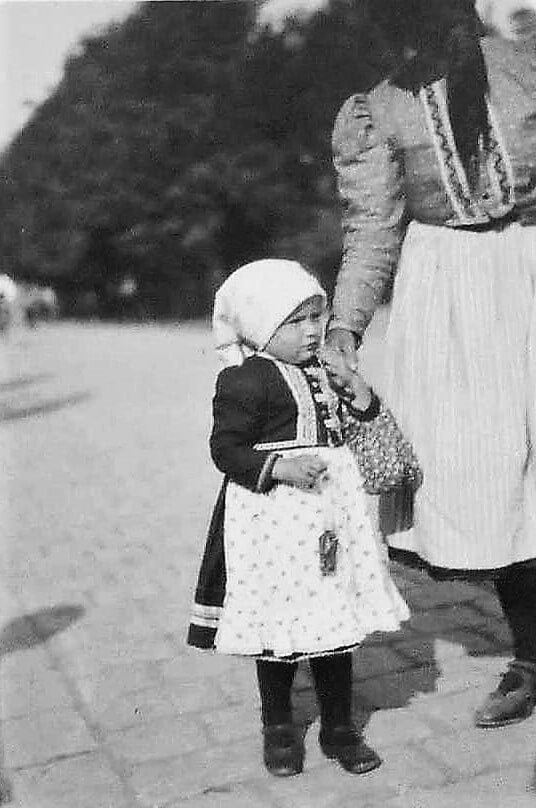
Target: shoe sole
284 772
499 724
358 769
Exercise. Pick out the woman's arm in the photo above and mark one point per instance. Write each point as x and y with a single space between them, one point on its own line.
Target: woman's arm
370 185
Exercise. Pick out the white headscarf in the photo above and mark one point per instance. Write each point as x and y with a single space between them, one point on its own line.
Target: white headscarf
253 302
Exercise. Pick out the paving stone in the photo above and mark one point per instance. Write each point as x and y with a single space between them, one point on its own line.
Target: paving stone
29 684
227 796
160 781
228 725
410 766
191 697
388 728
240 685
83 782
375 661
443 620
327 786
479 643
193 665
98 681
507 790
449 712
43 736
132 708
418 650
425 595
488 603
397 689
474 751
157 740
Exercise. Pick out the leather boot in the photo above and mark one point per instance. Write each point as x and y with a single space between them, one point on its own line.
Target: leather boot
345 744
514 698
283 750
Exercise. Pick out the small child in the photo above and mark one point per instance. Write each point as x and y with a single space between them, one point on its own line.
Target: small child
293 567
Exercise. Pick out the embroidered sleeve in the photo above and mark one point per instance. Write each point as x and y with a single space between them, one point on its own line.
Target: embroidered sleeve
237 411
349 413
370 188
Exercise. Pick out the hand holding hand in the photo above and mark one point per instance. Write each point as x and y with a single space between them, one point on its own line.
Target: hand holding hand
346 383
346 343
361 392
340 376
302 471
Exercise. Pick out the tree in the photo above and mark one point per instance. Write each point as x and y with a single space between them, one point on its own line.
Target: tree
180 144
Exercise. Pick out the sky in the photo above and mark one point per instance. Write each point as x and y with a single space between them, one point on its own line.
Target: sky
36 36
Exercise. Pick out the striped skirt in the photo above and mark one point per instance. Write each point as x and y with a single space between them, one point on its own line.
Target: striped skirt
460 377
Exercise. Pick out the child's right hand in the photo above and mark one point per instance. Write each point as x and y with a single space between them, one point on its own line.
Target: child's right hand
302 471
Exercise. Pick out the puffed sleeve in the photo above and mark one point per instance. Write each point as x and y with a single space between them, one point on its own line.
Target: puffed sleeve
369 173
238 407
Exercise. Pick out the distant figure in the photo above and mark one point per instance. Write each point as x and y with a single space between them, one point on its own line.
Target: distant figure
8 296
38 303
437 177
293 566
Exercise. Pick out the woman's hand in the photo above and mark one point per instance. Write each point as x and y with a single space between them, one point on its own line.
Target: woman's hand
346 343
303 471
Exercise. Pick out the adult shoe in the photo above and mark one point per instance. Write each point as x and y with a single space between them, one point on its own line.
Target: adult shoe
514 698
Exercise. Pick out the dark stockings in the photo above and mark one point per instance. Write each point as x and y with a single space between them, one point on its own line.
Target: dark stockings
516 588
332 677
275 682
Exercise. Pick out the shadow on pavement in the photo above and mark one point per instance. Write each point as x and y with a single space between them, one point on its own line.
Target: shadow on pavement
26 632
10 413
34 629
24 381
389 670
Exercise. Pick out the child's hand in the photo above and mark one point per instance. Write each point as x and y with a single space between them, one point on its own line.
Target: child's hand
338 372
361 392
302 471
346 383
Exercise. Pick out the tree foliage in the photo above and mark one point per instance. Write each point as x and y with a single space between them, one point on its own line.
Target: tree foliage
180 144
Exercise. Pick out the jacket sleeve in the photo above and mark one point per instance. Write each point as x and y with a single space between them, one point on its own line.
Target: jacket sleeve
238 407
370 183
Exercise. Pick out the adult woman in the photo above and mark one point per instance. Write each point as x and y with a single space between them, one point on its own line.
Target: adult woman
437 175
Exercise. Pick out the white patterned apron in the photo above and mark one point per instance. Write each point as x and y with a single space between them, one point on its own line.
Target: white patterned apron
284 597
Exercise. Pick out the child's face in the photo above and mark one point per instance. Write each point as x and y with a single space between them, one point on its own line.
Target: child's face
298 339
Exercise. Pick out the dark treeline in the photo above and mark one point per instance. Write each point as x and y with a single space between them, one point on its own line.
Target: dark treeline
178 145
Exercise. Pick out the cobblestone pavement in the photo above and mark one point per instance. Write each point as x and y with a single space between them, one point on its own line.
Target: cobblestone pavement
106 492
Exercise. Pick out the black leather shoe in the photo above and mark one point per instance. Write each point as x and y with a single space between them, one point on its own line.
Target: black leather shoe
513 700
346 745
283 750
